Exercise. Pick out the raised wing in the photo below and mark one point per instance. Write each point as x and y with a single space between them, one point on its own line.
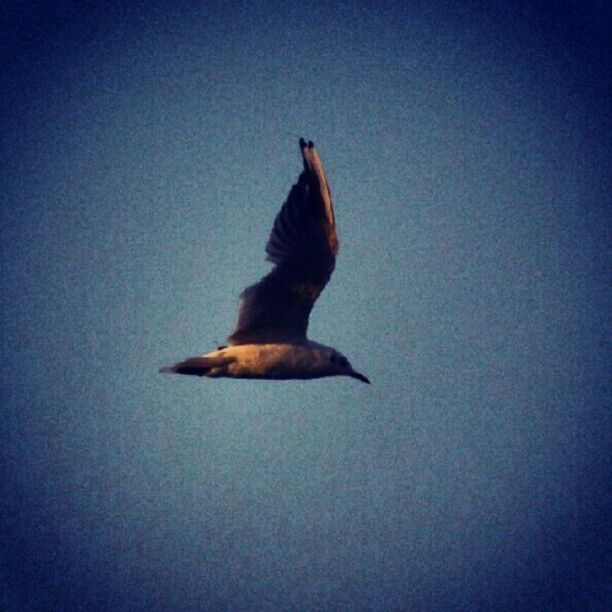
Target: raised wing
303 246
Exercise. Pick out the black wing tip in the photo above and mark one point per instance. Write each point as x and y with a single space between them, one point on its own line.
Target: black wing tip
306 145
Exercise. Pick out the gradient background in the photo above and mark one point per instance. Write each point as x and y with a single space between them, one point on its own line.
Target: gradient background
145 152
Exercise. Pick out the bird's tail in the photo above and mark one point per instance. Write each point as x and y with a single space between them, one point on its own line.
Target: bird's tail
198 366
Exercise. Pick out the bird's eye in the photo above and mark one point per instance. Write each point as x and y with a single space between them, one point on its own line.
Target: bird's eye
343 361
333 358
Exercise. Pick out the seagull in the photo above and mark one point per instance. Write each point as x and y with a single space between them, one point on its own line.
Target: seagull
269 340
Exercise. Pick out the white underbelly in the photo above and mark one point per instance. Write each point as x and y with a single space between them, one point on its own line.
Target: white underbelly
275 361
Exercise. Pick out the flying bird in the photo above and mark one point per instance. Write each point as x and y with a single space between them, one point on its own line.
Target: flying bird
269 340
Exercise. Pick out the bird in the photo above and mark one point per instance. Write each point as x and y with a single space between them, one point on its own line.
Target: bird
269 340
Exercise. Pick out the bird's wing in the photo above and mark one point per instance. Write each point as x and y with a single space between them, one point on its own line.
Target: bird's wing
303 245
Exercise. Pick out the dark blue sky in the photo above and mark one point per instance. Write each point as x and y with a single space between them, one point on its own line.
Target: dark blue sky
145 152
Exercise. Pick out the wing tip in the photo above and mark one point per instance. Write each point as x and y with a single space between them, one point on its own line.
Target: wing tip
307 148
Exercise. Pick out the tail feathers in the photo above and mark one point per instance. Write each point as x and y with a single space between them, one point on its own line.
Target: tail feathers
196 366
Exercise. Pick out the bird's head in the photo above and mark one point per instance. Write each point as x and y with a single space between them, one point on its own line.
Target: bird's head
339 365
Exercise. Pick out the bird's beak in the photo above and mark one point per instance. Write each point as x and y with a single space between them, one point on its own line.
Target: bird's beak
359 376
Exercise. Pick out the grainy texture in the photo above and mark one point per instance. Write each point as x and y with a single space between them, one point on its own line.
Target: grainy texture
468 150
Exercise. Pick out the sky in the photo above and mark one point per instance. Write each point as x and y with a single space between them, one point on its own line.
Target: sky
146 148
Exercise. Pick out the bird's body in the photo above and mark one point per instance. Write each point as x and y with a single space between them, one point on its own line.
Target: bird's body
274 361
269 340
